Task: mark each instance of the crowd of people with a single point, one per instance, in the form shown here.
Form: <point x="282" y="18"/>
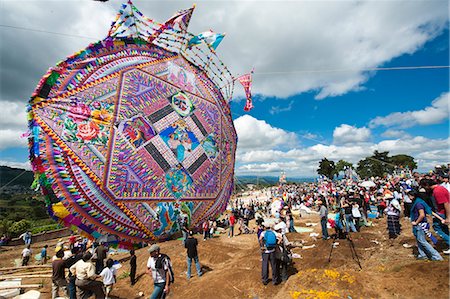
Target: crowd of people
<point x="346" y="205"/>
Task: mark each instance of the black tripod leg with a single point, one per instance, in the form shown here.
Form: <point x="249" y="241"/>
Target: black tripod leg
<point x="354" y="254"/>
<point x="331" y="251"/>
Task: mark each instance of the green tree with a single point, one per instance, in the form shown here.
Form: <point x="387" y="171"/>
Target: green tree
<point x="326" y="168"/>
<point x="379" y="164"/>
<point x="341" y="165"/>
<point x="404" y="161"/>
<point x="20" y="227"/>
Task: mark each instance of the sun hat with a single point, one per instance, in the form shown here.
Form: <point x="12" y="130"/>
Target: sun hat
<point x="154" y="247"/>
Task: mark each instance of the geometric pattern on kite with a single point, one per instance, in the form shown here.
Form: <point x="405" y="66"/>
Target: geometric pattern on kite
<point x="132" y="134"/>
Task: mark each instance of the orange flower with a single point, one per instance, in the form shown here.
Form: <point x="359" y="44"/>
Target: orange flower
<point x="88" y="131"/>
<point x="101" y="116"/>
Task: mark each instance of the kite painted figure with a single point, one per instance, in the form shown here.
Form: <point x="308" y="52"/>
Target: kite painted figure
<point x="135" y="131"/>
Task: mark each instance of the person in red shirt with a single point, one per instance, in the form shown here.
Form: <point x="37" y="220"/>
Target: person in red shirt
<point x="232" y="221"/>
<point x="442" y="206"/>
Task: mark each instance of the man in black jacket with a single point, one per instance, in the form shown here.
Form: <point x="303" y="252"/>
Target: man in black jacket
<point x="191" y="246"/>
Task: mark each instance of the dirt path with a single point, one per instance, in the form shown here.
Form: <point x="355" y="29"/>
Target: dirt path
<point x="232" y="269"/>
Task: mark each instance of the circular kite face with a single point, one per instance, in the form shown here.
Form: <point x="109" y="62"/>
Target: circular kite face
<point x="129" y="139"/>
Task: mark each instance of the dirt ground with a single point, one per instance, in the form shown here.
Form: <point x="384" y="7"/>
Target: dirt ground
<point x="232" y="268"/>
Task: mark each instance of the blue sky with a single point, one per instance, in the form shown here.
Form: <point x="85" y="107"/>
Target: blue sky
<point x="299" y="116"/>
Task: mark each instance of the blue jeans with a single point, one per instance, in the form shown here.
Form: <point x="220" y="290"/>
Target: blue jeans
<point x="231" y="231"/>
<point x="349" y="223"/>
<point x="424" y="248"/>
<point x="197" y="265"/>
<point x="323" y="223"/>
<point x="158" y="291"/>
<point x="441" y="229"/>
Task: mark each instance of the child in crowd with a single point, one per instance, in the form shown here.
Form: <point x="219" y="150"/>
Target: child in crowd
<point x="109" y="277"/>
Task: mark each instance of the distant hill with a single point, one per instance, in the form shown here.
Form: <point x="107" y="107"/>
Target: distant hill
<point x="25" y="178"/>
<point x="15" y="176"/>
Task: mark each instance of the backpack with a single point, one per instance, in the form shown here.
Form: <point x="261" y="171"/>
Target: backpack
<point x="159" y="265"/>
<point x="270" y="239"/>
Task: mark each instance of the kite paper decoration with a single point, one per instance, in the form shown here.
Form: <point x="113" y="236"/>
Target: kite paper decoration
<point x="246" y="81"/>
<point x="134" y="133"/>
<point x="210" y="38"/>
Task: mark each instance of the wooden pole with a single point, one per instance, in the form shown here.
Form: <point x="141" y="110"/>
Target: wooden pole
<point x="26" y="276"/>
<point x="23" y="286"/>
<point x="25" y="267"/>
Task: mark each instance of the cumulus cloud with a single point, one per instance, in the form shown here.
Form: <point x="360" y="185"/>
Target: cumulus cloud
<point x="349" y="134"/>
<point x="252" y="159"/>
<point x="13" y="115"/>
<point x="258" y="134"/>
<point x="434" y="114"/>
<point x="394" y="134"/>
<point x="10" y="138"/>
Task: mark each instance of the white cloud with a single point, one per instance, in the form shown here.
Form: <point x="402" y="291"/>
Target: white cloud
<point x="22" y="165"/>
<point x="353" y="145"/>
<point x="13" y="115"/>
<point x="278" y="109"/>
<point x="257" y="134"/>
<point x="349" y="134"/>
<point x="395" y="134"/>
<point x="434" y="114"/>
<point x="11" y="138"/>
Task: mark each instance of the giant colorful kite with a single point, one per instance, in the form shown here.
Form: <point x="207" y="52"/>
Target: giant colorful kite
<point x="134" y="133"/>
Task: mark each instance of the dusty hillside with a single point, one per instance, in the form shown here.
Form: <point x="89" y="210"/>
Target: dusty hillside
<point x="233" y="269"/>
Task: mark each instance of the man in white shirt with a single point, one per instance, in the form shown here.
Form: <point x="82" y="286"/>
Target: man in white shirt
<point x="158" y="266"/>
<point x="84" y="272"/>
<point x="26" y="253"/>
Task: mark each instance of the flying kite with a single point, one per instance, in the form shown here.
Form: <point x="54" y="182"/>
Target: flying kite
<point x="133" y="135"/>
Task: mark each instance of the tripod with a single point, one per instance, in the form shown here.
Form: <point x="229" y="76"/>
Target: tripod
<point x="350" y="241"/>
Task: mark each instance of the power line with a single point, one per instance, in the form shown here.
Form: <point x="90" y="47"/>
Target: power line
<point x="49" y="32"/>
<point x="396" y="68"/>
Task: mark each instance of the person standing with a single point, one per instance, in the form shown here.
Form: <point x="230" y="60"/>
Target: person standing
<point x="268" y="242"/>
<point x="442" y="206"/>
<point x="26" y="237"/>
<point x="158" y="266"/>
<point x="109" y="277"/>
<point x="101" y="252"/>
<point x="26" y="254"/>
<point x="84" y="270"/>
<point x="192" y="254"/>
<point x="44" y="256"/>
<point x="133" y="267"/>
<point x="205" y="227"/>
<point x="421" y="227"/>
<point x="58" y="275"/>
<point x="232" y="221"/>
<point x="393" y="218"/>
<point x="75" y="256"/>
<point x="323" y="213"/>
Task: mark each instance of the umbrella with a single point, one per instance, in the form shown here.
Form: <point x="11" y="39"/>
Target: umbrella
<point x="367" y="184"/>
